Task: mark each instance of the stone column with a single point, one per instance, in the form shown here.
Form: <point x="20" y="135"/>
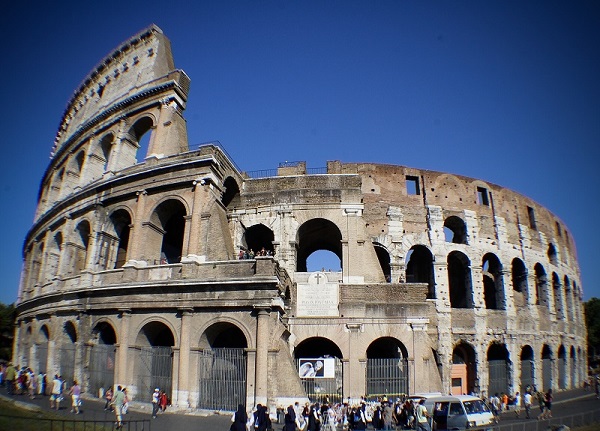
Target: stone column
<point x="122" y="373"/>
<point x="183" y="390"/>
<point x="136" y="231"/>
<point x="194" y="238"/>
<point x="262" y="350"/>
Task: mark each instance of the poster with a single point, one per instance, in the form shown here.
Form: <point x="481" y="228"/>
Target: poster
<point x="317" y="368"/>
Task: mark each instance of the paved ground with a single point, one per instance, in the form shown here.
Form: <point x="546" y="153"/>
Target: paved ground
<point x="93" y="409"/>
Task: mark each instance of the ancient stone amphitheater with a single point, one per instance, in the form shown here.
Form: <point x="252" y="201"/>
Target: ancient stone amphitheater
<point x="133" y="273"/>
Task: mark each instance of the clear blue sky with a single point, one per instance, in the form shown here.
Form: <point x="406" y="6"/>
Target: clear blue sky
<point x="504" y="91"/>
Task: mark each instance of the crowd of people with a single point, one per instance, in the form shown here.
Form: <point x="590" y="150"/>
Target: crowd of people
<point x="250" y="254"/>
<point x="503" y="402"/>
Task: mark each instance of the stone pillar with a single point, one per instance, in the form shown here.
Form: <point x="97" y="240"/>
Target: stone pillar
<point x="195" y="238"/>
<point x="136" y="233"/>
<point x="122" y="373"/>
<point x="16" y="342"/>
<point x="354" y="376"/>
<point x="183" y="389"/>
<point x="262" y="350"/>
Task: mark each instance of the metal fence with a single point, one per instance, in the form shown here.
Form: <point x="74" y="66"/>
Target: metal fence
<point x="102" y="367"/>
<point x="42" y="424"/>
<point x="387" y="376"/>
<point x="222" y="383"/>
<point x="324" y="390"/>
<point x="498" y="373"/>
<point x="154" y="370"/>
<point x="67" y="355"/>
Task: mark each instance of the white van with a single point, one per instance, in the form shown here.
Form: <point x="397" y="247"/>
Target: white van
<point x="458" y="412"/>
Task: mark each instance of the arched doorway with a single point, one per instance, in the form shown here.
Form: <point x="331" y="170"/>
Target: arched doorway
<point x="546" y="368"/>
<point x="320" y="369"/>
<point x="419" y="268"/>
<point x="562" y="367"/>
<point x="154" y="360"/>
<point x="42" y="349"/>
<point x="527" y="368"/>
<point x="464" y="370"/>
<point x="317" y="234"/>
<point x="222" y="362"/>
<point x="68" y="352"/>
<point x="102" y="358"/>
<point x="387" y="369"/>
<point x="498" y="369"/>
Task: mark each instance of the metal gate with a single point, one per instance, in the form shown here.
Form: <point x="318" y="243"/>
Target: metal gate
<point x="102" y="367"/>
<point x="67" y="362"/>
<point x="498" y="376"/>
<point x="562" y="373"/>
<point x="154" y="370"/>
<point x="42" y="357"/>
<point x="323" y="389"/>
<point x="222" y="374"/>
<point x="527" y="374"/>
<point x="387" y="376"/>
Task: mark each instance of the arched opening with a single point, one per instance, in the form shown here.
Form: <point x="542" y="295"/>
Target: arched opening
<point x="573" y="362"/>
<point x="320" y="369"/>
<point x="546" y="368"/>
<point x="317" y="234"/>
<point x="562" y="367"/>
<point x="68" y="352"/>
<point x="231" y="194"/>
<point x="323" y="260"/>
<point x="154" y="362"/>
<point x="80" y="246"/>
<point x="459" y="280"/>
<point x="464" y="370"/>
<point x="552" y="254"/>
<point x="121" y="222"/>
<point x="498" y="369"/>
<point x="493" y="286"/>
<point x="105" y="149"/>
<point x="139" y="132"/>
<point x="558" y="297"/>
<point x="541" y="288"/>
<point x="102" y="358"/>
<point x="258" y="240"/>
<point x="387" y="369"/>
<point x="519" y="282"/>
<point x="54" y="253"/>
<point x="527" y="368"/>
<point x="42" y="349"/>
<point x="166" y="230"/>
<point x="383" y="256"/>
<point x="222" y="362"/>
<point x="455" y="230"/>
<point x="569" y="312"/>
<point x="419" y="268"/>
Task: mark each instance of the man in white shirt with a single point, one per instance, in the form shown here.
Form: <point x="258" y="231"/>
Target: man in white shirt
<point x="422" y="415"/>
<point x="527" y="399"/>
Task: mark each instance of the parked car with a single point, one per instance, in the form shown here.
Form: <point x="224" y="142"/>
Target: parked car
<point x="458" y="412"/>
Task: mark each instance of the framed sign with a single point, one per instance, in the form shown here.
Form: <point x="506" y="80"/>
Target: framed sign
<point x="317" y="368"/>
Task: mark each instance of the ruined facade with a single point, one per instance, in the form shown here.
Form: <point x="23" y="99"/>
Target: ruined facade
<point x="132" y="273"/>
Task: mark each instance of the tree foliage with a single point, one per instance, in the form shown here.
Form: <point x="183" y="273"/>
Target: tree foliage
<point x="7" y="319"/>
<point x="592" y="322"/>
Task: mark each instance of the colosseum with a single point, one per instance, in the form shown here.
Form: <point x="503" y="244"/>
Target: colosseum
<point x="151" y="263"/>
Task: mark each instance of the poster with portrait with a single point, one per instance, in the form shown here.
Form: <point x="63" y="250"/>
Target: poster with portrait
<point x="317" y="368"/>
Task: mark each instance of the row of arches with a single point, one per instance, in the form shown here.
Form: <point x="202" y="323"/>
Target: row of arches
<point x="110" y="152"/>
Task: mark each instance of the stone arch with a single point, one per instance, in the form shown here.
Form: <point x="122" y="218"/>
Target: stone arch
<point x="387" y="368"/>
<point x="79" y="243"/>
<point x="231" y="193"/>
<point x="138" y="133"/>
<point x="573" y="368"/>
<point x="43" y="340"/>
<point x="67" y="348"/>
<point x="455" y="230"/>
<point x="116" y="243"/>
<point x="519" y="281"/>
<point x="464" y="369"/>
<point x="167" y="228"/>
<point x="55" y="250"/>
<point x="222" y="361"/>
<point x="541" y="285"/>
<point x="317" y="234"/>
<point x="419" y="268"/>
<point x="459" y="280"/>
<point x="558" y="296"/>
<point x="102" y="356"/>
<point x="99" y="157"/>
<point x="259" y="238"/>
<point x="493" y="285"/>
<point x="498" y="361"/>
<point x="153" y="364"/>
<point x="314" y="356"/>
<point x="547" y="359"/>
<point x="552" y="254"/>
<point x="562" y="367"/>
<point x="569" y="312"/>
<point x="383" y="256"/>
<point x="527" y="368"/>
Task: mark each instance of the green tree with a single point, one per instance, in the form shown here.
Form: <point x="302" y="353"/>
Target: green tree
<point x="7" y="319"/>
<point x="592" y="322"/>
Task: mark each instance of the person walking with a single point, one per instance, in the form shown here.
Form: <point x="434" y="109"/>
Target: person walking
<point x="517" y="404"/>
<point x="9" y="377"/>
<point x="155" y="400"/>
<point x="527" y="400"/>
<point x="56" y="396"/>
<point x="117" y="402"/>
<point x="75" y="393"/>
<point x="239" y="419"/>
